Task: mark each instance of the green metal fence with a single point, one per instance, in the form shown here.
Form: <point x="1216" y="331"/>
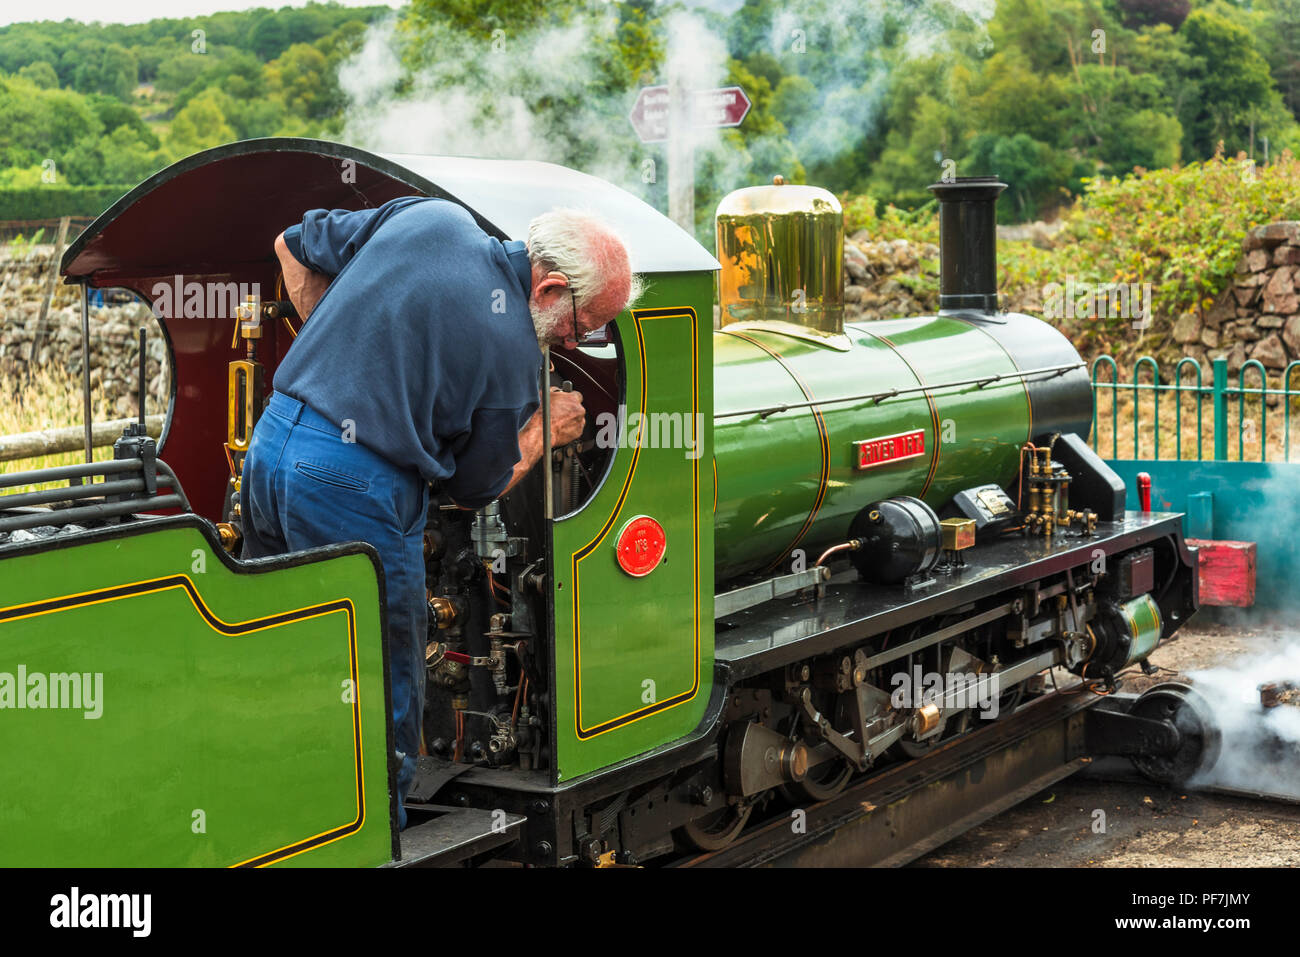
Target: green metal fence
<point x="1187" y="389"/>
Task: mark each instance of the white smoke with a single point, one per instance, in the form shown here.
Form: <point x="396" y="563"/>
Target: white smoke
<point x="466" y="97"/>
<point x="1260" y="748"/>
<point x="545" y="93"/>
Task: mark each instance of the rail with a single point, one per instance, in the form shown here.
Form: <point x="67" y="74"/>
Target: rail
<point x="129" y="486"/>
<point x="30" y="445"/>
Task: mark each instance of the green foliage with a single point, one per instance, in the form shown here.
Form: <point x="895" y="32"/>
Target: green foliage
<point x="51" y="202"/>
<point x="919" y="225"/>
<point x="300" y="77"/>
<point x="40" y="73"/>
<point x="1181" y="228"/>
<point x="1234" y="81"/>
<point x="1032" y="171"/>
<point x="876" y="98"/>
<point x="201" y="124"/>
<point x="21" y="245"/>
<point x="37" y="124"/>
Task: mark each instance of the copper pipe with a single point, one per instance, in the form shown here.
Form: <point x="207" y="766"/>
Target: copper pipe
<point x="852" y="545"/>
<point x="523" y="680"/>
<point x="519" y="695"/>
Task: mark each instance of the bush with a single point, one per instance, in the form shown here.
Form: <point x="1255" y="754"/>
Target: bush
<point x="920" y="225"/>
<point x="1180" y="229"/>
<point x="50" y="202"/>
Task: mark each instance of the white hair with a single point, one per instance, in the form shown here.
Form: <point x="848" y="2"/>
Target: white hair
<point x="585" y="248"/>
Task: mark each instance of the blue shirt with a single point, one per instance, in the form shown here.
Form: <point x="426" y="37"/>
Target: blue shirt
<point x="423" y="345"/>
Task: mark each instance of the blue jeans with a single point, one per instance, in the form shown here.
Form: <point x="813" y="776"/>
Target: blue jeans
<point x="304" y="486"/>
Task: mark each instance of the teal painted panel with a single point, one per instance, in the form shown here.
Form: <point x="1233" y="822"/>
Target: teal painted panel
<point x="1251" y="502"/>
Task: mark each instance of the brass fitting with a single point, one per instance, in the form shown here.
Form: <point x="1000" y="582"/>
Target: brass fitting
<point x="443" y="611"/>
<point x="926" y="719"/>
<point x="229" y="537"/>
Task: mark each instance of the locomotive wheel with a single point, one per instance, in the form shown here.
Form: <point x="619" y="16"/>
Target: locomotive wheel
<point x="1009" y="701"/>
<point x="1201" y="739"/>
<point x="821" y="783"/>
<point x="714" y="831"/>
<point x="919" y="749"/>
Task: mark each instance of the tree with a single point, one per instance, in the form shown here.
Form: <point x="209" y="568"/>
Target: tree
<point x="180" y="70"/>
<point x="269" y="36"/>
<point x="42" y="74"/>
<point x="1148" y="13"/>
<point x="1033" y="171"/>
<point x="301" y="78"/>
<point x="1281" y="46"/>
<point x="1234" y="80"/>
<point x="38" y="125"/>
<point x="103" y="68"/>
<point x="201" y="125"/>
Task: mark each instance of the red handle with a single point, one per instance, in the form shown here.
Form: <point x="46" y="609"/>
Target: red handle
<point x="1144" y="491"/>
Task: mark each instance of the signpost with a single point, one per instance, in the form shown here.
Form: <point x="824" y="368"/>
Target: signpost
<point x="721" y="107"/>
<point x="672" y="114"/>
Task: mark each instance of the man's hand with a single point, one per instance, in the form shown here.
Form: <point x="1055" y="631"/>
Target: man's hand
<point x="303" y="286"/>
<point x="567" y="420"/>
<point x="568" y="417"/>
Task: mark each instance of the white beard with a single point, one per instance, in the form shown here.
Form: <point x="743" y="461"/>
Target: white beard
<point x="546" y="322"/>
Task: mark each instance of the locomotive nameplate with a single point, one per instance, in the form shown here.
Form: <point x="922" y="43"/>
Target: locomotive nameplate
<point x="889" y="448"/>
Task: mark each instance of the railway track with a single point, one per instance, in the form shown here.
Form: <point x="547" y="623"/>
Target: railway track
<point x="1121" y="772"/>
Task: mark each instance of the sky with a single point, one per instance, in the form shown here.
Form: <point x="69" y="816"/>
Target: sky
<point x="138" y="11"/>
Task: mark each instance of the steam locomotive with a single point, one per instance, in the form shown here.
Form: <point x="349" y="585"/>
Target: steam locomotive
<point x="787" y="552"/>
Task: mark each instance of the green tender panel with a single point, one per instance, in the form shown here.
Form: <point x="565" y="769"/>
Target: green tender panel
<point x="789" y="481"/>
<point x="634" y="656"/>
<point x="218" y="743"/>
<point x="1142" y="616"/>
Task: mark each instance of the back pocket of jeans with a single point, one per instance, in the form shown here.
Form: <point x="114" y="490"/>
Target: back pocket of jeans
<point x="329" y="476"/>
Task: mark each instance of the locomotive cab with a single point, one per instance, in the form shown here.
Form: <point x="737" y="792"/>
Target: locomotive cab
<point x="554" y="590"/>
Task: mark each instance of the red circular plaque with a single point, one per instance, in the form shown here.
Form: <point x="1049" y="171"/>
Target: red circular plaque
<point x="641" y="546"/>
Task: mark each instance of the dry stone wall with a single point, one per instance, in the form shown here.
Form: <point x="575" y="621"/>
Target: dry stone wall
<point x="24" y="278"/>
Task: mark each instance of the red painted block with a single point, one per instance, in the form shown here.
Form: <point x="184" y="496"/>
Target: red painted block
<point x="1227" y="572"/>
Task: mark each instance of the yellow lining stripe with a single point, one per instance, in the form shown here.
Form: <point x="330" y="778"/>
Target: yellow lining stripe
<point x="822" y="437"/>
<point x="583" y="733"/>
<point x="934" y="412"/>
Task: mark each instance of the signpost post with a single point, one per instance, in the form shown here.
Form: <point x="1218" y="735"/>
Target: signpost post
<point x="672" y="114"/>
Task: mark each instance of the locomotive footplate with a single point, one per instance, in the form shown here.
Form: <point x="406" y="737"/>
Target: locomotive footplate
<point x="778" y="633"/>
<point x="448" y="836"/>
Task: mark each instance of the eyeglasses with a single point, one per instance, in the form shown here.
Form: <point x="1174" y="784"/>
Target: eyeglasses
<point x="586" y="337"/>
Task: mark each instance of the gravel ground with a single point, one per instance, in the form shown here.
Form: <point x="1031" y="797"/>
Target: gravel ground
<point x="1145" y="825"/>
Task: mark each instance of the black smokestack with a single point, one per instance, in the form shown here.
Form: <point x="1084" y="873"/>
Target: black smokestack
<point x="968" y="263"/>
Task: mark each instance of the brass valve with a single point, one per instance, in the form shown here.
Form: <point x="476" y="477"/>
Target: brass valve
<point x="443" y="611"/>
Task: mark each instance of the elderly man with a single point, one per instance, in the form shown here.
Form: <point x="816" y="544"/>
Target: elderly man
<point x="420" y="364"/>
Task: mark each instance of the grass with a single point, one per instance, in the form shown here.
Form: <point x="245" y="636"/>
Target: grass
<point x="51" y="399"/>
